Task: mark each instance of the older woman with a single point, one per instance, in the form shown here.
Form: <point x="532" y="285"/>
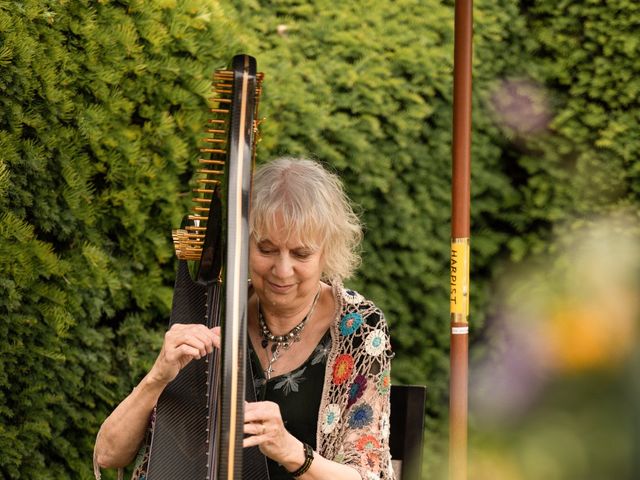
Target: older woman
<point x="320" y="352"/>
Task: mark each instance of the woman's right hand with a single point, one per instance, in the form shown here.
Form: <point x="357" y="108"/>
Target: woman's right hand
<point x="183" y="343"/>
<point x="122" y="432"/>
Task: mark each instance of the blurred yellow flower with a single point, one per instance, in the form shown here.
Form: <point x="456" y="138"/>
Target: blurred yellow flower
<point x="588" y="336"/>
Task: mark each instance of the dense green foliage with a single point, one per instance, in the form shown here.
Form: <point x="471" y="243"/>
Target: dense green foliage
<point x="102" y="104"/>
<point x="101" y="107"/>
<point x="586" y="163"/>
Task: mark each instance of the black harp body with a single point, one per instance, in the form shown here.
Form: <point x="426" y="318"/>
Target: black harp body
<point x="199" y="420"/>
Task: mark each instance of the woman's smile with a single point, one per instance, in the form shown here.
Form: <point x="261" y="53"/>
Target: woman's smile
<point x="280" y="287"/>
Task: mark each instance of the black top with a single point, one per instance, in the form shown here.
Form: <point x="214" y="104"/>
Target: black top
<point x="298" y="393"/>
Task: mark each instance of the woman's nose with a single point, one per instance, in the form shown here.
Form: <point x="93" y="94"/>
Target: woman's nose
<point x="283" y="267"/>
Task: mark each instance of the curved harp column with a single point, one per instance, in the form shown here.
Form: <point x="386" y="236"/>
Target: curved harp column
<point x="234" y="364"/>
<point x="200" y="415"/>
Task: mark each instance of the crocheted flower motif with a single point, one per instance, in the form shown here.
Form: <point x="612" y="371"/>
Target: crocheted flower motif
<point x="357" y="389"/>
<point x="350" y="323"/>
<point x="342" y="368"/>
<point x="361" y="416"/>
<point x="330" y="418"/>
<point x="371" y="460"/>
<point x="384" y="384"/>
<point x="375" y="343"/>
<point x="352" y="297"/>
<point x="367" y="442"/>
<point x="373" y="476"/>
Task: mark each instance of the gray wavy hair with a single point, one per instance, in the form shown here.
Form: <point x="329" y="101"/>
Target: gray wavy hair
<point x="312" y="203"/>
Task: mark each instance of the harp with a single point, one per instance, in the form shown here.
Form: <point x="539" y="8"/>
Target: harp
<point x="198" y="431"/>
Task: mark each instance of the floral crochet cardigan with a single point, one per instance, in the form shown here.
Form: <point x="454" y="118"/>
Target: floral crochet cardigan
<point x="353" y="420"/>
<point x="353" y="423"/>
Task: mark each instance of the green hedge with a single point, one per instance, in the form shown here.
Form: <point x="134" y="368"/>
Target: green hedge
<point x="587" y="162"/>
<point x="102" y="104"/>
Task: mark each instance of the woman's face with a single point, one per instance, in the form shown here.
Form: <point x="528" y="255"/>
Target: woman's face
<point x="284" y="271"/>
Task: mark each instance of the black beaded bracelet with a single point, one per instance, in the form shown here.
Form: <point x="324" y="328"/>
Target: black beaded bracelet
<point x="308" y="458"/>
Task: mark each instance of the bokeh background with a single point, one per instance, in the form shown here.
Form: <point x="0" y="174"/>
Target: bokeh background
<point x="103" y="104"/>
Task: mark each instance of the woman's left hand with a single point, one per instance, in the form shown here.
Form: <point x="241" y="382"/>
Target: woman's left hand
<point x="263" y="422"/>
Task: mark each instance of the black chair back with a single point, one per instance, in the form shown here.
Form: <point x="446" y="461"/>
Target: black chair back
<point x="407" y="429"/>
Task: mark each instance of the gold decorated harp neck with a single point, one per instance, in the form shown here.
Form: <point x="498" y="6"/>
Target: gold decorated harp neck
<point x="209" y="182"/>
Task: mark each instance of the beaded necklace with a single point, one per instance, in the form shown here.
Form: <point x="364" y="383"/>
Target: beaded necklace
<point x="281" y="342"/>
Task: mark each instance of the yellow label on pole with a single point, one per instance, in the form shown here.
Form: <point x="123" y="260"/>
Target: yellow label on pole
<point x="459" y="296"/>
